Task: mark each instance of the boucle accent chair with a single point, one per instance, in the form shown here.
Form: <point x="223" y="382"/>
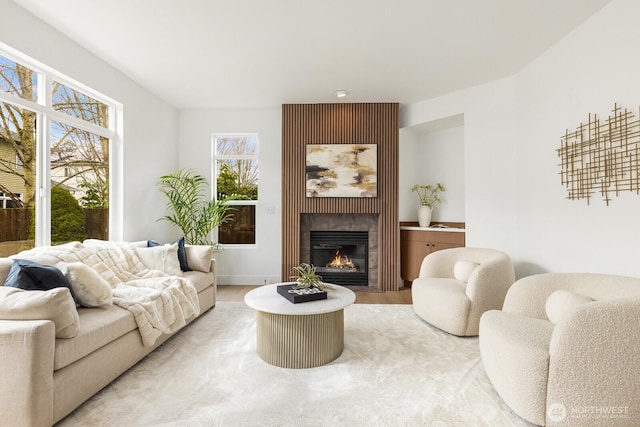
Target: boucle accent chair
<point x="564" y="349"/>
<point x="457" y="285"/>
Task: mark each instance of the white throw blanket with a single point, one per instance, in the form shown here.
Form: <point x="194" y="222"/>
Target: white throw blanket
<point x="160" y="303"/>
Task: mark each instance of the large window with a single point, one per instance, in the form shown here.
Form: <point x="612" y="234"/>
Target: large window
<point x="236" y="173"/>
<point x="56" y="142"/>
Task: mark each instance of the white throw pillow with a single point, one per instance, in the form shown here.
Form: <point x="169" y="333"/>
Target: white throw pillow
<point x="562" y="303"/>
<point x="55" y="304"/>
<point x="199" y="257"/>
<point x="90" y="288"/>
<point x="463" y="269"/>
<point x="163" y="258"/>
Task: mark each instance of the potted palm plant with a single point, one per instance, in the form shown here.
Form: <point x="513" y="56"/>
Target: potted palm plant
<point x="191" y="210"/>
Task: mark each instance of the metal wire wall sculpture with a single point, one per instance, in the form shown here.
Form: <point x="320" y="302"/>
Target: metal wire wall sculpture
<point x="601" y="156"/>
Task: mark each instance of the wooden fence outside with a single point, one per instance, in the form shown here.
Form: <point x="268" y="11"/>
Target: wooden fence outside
<point x="96" y="223"/>
<point x="15" y="224"/>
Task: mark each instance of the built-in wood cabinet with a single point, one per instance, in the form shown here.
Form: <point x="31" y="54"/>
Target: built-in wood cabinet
<point x="417" y="243"/>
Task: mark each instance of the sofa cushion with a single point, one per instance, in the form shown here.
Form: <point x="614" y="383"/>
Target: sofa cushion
<point x="182" y="253"/>
<point x="199" y="257"/>
<point x="163" y="258"/>
<point x="98" y="327"/>
<point x="33" y="276"/>
<point x="562" y="303"/>
<point x="55" y="305"/>
<point x="90" y="288"/>
<point x="462" y="270"/>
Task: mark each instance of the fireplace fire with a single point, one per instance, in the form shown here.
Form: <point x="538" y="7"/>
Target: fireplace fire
<point x="341" y="261"/>
<point x="341" y="257"/>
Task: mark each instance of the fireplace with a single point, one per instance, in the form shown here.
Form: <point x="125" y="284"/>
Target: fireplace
<point x="341" y="257"/>
<point x="367" y="224"/>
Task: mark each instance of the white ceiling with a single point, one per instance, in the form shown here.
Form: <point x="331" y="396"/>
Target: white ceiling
<point x="256" y="53"/>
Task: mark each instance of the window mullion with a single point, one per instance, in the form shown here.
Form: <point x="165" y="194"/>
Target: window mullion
<point x="237" y="157"/>
<point x="241" y="202"/>
<point x="43" y="182"/>
<point x="78" y="123"/>
<point x="19" y="102"/>
<point x="43" y="104"/>
<point x="43" y="171"/>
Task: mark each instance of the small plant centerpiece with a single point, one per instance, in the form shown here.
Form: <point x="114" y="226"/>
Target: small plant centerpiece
<point x="307" y="277"/>
<point x="308" y="285"/>
<point x="428" y="195"/>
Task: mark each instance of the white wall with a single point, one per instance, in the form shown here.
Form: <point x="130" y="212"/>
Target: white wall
<point x="243" y="266"/>
<point x="514" y="200"/>
<point x="587" y="72"/>
<point x="150" y="124"/>
<point x="407" y="177"/>
<point x="489" y="155"/>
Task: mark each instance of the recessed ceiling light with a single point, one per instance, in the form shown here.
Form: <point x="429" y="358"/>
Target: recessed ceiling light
<point x="341" y="93"/>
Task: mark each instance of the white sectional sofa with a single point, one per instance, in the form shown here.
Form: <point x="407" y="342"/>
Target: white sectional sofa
<point x="44" y="377"/>
<point x="564" y="349"/>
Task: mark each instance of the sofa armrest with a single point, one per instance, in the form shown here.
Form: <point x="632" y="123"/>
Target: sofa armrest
<point x="593" y="359"/>
<point x="26" y="361"/>
<point x="213" y="266"/>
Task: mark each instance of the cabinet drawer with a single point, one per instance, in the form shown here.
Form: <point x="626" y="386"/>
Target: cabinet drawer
<point x="453" y="238"/>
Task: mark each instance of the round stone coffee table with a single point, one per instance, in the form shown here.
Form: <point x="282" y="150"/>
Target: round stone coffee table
<point x="302" y="335"/>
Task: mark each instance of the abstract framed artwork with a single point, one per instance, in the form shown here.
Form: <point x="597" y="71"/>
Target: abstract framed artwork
<point x="342" y="170"/>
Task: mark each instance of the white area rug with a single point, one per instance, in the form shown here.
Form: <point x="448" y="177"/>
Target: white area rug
<point x="395" y="370"/>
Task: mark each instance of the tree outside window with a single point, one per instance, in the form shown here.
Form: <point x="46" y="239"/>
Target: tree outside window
<point x="78" y="158"/>
<point x="236" y="165"/>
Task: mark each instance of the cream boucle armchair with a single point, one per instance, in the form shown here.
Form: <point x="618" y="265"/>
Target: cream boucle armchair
<point x="457" y="285"/>
<point x="564" y="349"/>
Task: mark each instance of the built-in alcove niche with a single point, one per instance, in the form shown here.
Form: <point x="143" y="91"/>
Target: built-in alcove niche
<point x="433" y="152"/>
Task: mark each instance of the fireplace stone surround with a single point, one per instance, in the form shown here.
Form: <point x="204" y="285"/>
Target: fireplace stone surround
<point x="343" y="222"/>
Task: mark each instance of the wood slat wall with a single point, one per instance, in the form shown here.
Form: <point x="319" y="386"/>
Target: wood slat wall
<point x="370" y="123"/>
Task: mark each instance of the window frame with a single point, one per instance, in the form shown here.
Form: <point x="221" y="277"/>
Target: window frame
<point x="214" y="179"/>
<point x="4" y="199"/>
<point x="45" y="114"/>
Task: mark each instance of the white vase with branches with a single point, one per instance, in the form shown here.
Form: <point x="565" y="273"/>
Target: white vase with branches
<point x="428" y="195"/>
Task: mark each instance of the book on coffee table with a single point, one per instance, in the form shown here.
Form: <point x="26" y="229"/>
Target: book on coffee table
<point x="301" y="295"/>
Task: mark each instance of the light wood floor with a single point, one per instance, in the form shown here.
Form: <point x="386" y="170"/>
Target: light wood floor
<point x="403" y="296"/>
